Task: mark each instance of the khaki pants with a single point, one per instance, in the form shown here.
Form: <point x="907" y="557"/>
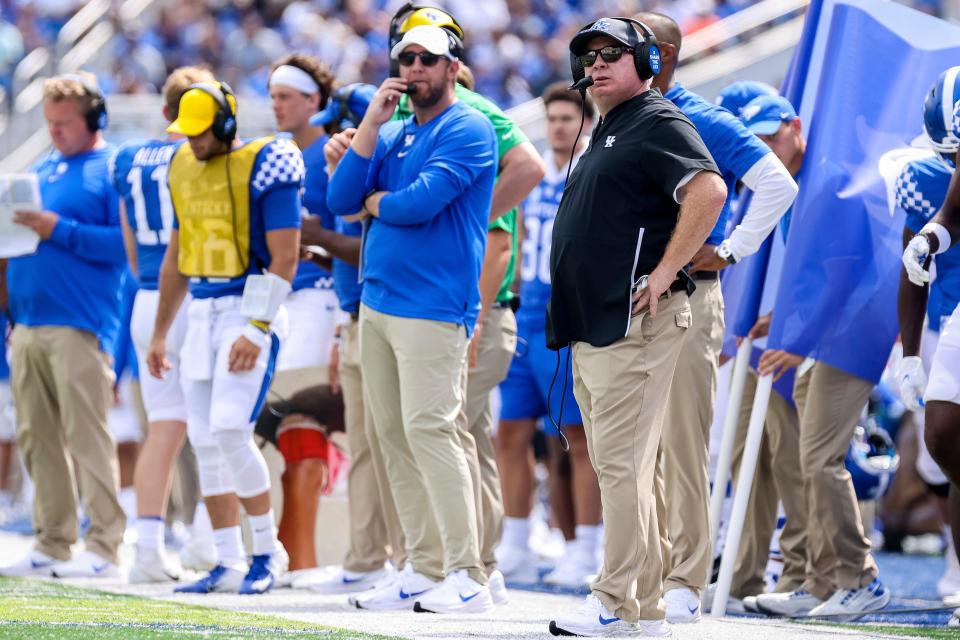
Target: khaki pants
<point x="413" y="378"/>
<point x="373" y="516"/>
<point x="498" y="341"/>
<point x="778" y="478"/>
<point x="684" y="517"/>
<point x="829" y="402"/>
<point x="622" y="392"/>
<point x="62" y="387"/>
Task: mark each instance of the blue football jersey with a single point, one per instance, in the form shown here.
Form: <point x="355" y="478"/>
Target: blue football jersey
<point x="309" y="275"/>
<point x="921" y="190"/>
<point x="539" y="213"/>
<point x="138" y="171"/>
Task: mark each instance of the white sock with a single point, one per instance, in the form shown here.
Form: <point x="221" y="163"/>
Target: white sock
<point x="201" y="527"/>
<point x="150" y="533"/>
<point x="953" y="567"/>
<point x="128" y="502"/>
<point x="263" y="533"/>
<point x="516" y="532"/>
<point x="229" y="541"/>
<point x="586" y="538"/>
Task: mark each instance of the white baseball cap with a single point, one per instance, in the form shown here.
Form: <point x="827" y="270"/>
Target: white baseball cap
<point x="432" y="38"/>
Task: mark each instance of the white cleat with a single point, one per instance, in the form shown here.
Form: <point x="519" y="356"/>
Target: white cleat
<point x="396" y="594"/>
<point x="344" y="581"/>
<point x="199" y="554"/>
<point x="855" y="602"/>
<point x="86" y="564"/>
<point x="954" y="619"/>
<point x="458" y="593"/>
<point x="790" y="603"/>
<point x="33" y="564"/>
<point x="498" y="588"/>
<point x="518" y="565"/>
<point x="750" y="604"/>
<point x="594" y="620"/>
<point x="151" y="567"/>
<point x="683" y="606"/>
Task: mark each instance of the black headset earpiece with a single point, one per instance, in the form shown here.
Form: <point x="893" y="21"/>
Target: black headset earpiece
<point x="646" y="54"/>
<point x="225" y="122"/>
<point x="646" y="51"/>
<point x="96" y="115"/>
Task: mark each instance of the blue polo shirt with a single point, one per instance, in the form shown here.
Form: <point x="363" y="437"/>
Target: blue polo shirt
<point x="309" y="274"/>
<point x="733" y="147"/>
<point x="74" y="279"/>
<point x="346" y="277"/>
<point x="422" y="256"/>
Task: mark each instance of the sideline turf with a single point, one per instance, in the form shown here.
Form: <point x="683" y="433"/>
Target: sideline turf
<point x="33" y="609"/>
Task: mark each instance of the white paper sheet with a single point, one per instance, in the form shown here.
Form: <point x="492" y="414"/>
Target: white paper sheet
<point x="18" y="192"/>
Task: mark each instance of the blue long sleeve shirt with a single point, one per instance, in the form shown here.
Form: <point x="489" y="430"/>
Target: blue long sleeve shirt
<point x="422" y="256"/>
<point x="74" y="278"/>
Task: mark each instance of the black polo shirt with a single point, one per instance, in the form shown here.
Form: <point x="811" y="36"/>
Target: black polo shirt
<point x="616" y="217"/>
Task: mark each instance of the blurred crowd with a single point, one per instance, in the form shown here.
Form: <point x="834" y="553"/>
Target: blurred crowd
<point x="517" y="47"/>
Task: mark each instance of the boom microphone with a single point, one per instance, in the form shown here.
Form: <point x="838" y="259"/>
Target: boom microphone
<point x="582" y="84"/>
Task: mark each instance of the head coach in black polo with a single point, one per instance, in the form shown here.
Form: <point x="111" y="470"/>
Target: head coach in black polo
<point x="643" y="198"/>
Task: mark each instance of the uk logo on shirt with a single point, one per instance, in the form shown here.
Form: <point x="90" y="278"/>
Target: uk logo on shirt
<point x="408" y="140"/>
<point x="609" y="142"/>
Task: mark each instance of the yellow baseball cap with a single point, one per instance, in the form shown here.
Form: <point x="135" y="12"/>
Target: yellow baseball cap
<point x="198" y="110"/>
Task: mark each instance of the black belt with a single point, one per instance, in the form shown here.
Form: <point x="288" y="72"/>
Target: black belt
<point x="705" y="275"/>
<point x="513" y="304"/>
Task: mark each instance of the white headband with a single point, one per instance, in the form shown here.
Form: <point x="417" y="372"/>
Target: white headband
<point x="291" y="76"/>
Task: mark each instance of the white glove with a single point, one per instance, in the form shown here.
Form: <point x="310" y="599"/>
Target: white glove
<point x="912" y="381"/>
<point x="914" y="256"/>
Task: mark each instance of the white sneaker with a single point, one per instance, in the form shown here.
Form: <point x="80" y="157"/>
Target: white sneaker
<point x="790" y="603"/>
<point x="397" y="594"/>
<point x="517" y="564"/>
<point x="199" y="554"/>
<point x="32" y="564"/>
<point x="574" y="571"/>
<point x="593" y="619"/>
<point x="948" y="586"/>
<point x="856" y="602"/>
<point x="344" y="581"/>
<point x="683" y="606"/>
<point x="86" y="564"/>
<point x="954" y="619"/>
<point x="498" y="588"/>
<point x="750" y="604"/>
<point x="458" y="593"/>
<point x="391" y="577"/>
<point x="151" y="566"/>
<point x="734" y="605"/>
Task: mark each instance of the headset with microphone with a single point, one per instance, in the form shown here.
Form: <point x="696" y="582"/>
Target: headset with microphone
<point x="224" y="125"/>
<point x="96" y="114"/>
<point x="646" y="50"/>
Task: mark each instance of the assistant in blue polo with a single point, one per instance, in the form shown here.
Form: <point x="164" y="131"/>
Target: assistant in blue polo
<point x="65" y="303"/>
<point x="426" y="183"/>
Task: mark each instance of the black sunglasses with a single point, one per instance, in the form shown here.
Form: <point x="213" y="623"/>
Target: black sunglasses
<point x="609" y="54"/>
<point x="428" y="59"/>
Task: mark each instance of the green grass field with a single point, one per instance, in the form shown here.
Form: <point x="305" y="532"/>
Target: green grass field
<point x="43" y="609"/>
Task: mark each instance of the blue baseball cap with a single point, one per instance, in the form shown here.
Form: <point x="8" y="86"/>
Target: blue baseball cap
<point x="734" y="97"/>
<point x="764" y="115"/>
<point x="347" y="106"/>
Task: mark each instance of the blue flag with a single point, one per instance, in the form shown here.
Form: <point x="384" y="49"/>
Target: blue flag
<point x="858" y="79"/>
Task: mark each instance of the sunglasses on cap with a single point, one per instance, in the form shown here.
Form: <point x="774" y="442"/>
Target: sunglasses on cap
<point x="428" y="59"/>
<point x="610" y="53"/>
